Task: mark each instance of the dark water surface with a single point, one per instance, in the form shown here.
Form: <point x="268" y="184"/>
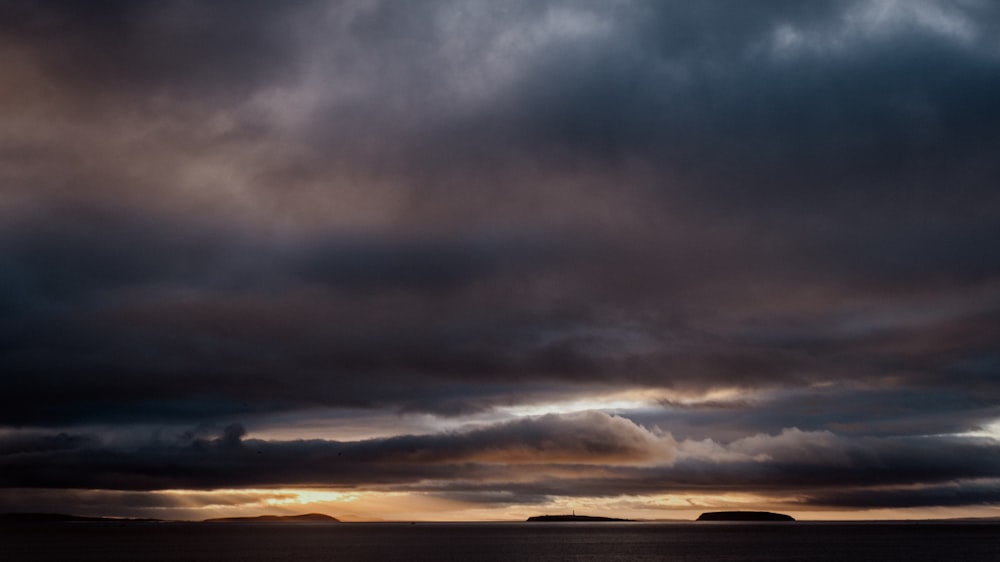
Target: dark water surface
<point x="522" y="542"/>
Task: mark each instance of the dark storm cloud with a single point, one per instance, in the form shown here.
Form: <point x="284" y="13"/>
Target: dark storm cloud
<point x="877" y="412"/>
<point x="373" y="264"/>
<point x="190" y="460"/>
<point x="583" y="455"/>
<point x="66" y="256"/>
<point x="974" y="493"/>
<point x="815" y="468"/>
<point x="121" y="48"/>
<point x="111" y="317"/>
<point x="237" y="209"/>
<point x="92" y="502"/>
<point x="20" y="444"/>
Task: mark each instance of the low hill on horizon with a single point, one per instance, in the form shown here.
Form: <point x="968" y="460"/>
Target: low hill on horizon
<point x="744" y="516"/>
<point x="304" y="518"/>
<point x="66" y="518"/>
<point x="575" y="518"/>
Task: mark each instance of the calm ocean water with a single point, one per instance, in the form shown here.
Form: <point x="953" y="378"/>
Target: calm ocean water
<point x="521" y="542"/>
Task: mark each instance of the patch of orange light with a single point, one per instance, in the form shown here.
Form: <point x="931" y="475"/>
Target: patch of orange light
<point x="313" y="496"/>
<point x="635" y="399"/>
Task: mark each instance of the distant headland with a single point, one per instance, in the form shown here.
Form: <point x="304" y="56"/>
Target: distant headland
<point x="305" y="518"/>
<point x="744" y="516"/>
<point x="573" y="517"/>
<point x="64" y="518"/>
<point x="41" y="518"/>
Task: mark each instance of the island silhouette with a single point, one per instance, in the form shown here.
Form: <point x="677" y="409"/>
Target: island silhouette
<point x="572" y="518"/>
<point x="304" y="518"/>
<point x="36" y="518"/>
<point x="744" y="516"/>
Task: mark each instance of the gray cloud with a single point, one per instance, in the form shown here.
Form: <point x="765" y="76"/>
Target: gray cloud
<point x="583" y="455"/>
<point x="190" y="460"/>
<point x="963" y="494"/>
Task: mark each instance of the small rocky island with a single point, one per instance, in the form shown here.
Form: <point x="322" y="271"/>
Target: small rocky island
<point x="570" y="518"/>
<point x="306" y="518"/>
<point x="744" y="516"/>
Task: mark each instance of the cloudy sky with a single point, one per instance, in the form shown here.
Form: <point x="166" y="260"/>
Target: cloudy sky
<point x="453" y="260"/>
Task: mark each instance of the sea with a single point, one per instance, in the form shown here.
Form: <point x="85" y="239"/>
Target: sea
<point x="514" y="542"/>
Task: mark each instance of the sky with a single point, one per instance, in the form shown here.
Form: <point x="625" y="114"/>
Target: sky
<point x="480" y="260"/>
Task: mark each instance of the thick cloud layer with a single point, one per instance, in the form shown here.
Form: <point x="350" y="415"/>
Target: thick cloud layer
<point x="193" y="462"/>
<point x="753" y="218"/>
<point x="589" y="454"/>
